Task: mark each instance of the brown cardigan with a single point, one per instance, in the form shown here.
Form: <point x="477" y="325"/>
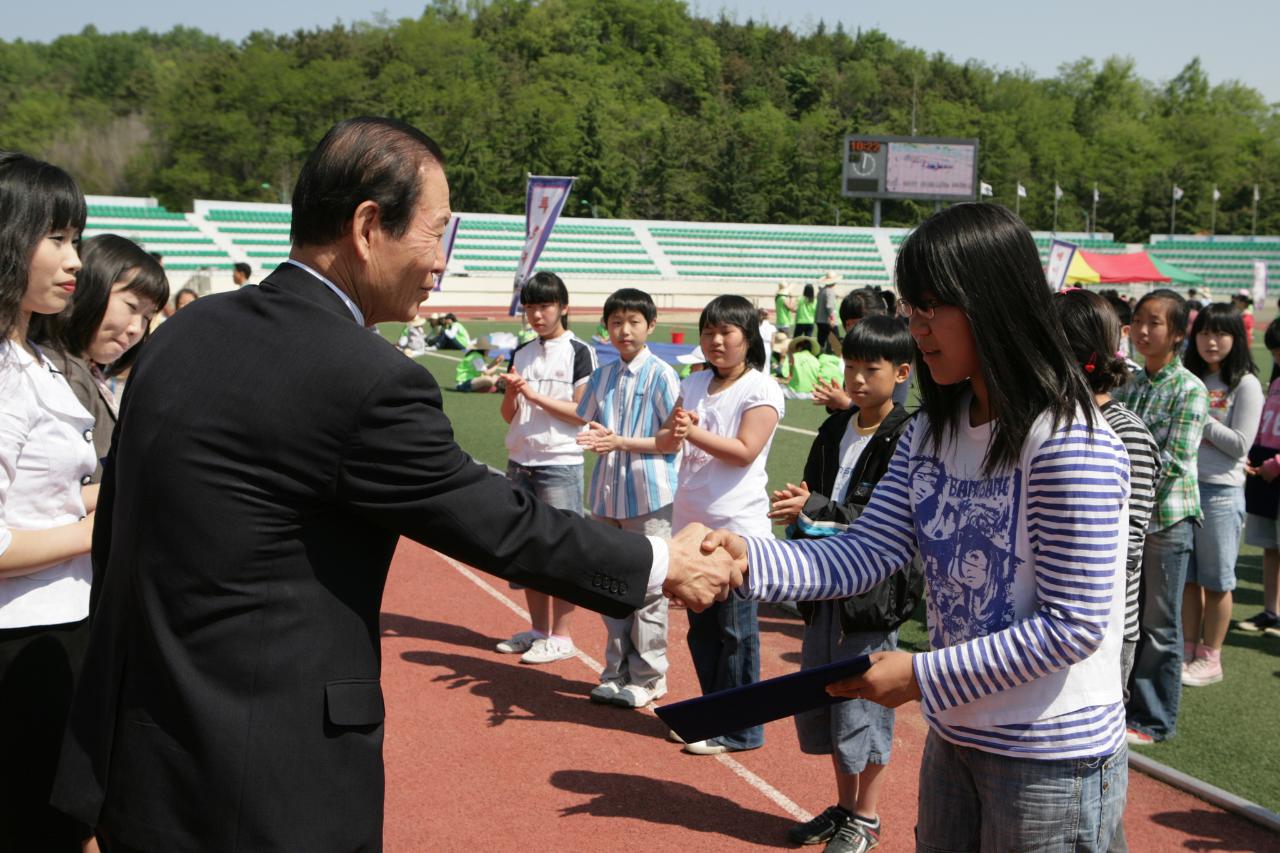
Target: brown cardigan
<point x="90" y="396"/>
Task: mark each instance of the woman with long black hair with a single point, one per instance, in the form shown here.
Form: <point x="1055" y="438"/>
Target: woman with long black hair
<point x="1021" y="691"/>
<point x="46" y="521"/>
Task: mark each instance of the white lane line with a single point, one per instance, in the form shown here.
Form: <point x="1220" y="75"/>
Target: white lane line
<point x="797" y="429"/>
<point x="771" y="793"/>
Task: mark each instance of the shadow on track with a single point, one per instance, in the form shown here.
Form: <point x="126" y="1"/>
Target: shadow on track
<point x="516" y="692"/>
<point x="1214" y="830"/>
<point x="673" y="803"/>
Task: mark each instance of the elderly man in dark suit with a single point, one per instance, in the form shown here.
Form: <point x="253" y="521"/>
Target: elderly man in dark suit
<point x="269" y="455"/>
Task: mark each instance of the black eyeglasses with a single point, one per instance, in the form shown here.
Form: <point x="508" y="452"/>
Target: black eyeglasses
<point x="906" y="308"/>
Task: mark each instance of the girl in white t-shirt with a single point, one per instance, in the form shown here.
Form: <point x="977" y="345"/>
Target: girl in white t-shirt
<point x="725" y="421"/>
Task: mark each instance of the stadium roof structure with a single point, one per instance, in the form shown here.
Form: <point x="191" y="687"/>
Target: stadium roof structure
<point x="1096" y="268"/>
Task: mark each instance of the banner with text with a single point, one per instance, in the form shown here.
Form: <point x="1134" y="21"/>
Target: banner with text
<point x="1060" y="254"/>
<point x="543" y="201"/>
<point x="450" y="231"/>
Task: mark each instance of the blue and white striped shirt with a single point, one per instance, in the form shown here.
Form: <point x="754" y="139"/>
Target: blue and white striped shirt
<point x="1024" y="575"/>
<point x="632" y="399"/>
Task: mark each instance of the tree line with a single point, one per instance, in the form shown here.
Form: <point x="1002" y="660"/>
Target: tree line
<point x="660" y="115"/>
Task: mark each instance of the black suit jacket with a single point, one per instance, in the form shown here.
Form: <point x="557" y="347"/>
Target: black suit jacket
<point x="269" y="455"/>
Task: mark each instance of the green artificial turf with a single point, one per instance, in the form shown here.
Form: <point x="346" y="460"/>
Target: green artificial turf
<point x="1227" y="732"/>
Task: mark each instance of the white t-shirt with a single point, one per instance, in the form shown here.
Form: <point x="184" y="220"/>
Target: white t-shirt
<point x="767" y="331"/>
<point x="712" y="491"/>
<point x="555" y="367"/>
<point x="851" y="445"/>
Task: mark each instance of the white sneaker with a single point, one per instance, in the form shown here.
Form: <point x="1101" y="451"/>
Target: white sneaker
<point x="639" y="696"/>
<point x="606" y="692"/>
<point x="517" y="645"/>
<point x="548" y="650"/>
<point x="1202" y="672"/>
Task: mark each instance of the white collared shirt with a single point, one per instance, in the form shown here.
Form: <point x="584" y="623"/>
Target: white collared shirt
<point x="346" y="300"/>
<point x="46" y="454"/>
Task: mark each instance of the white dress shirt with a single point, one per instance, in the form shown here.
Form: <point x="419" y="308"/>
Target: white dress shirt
<point x="46" y="454"/>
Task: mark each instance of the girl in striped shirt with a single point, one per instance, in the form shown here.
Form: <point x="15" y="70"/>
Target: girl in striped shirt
<point x="1092" y="326"/>
<point x="1013" y="491"/>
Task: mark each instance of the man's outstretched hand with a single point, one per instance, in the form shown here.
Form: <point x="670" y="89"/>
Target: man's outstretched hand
<point x="699" y="575"/>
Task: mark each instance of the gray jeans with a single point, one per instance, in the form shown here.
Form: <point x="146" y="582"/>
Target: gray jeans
<point x="636" y="651"/>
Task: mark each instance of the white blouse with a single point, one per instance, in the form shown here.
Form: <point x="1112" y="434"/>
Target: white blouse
<point x="46" y="453"/>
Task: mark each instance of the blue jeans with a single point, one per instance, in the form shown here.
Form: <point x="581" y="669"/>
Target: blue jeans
<point x="975" y="800"/>
<point x="1217" y="539"/>
<point x="724" y="642"/>
<point x="1156" y="687"/>
<point x="559" y="486"/>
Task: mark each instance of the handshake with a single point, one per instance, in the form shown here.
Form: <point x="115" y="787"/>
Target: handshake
<point x="704" y="566"/>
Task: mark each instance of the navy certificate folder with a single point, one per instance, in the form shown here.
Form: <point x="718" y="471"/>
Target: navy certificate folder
<point x="754" y="704"/>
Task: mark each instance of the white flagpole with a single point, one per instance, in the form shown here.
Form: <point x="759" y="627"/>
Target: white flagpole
<point x="1254" y="231"/>
<point x="1213" y="213"/>
<point x="1173" y="207"/>
<point x="1093" y="218"/>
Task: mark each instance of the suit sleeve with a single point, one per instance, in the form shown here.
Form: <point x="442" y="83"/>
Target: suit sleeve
<point x="404" y="471"/>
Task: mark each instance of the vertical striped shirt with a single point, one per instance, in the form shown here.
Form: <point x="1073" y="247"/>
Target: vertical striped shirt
<point x="1173" y="404"/>
<point x="1144" y="475"/>
<point x="1023" y="577"/>
<point x="632" y="399"/>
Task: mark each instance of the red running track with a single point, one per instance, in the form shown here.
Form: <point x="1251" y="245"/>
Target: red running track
<point x="484" y="753"/>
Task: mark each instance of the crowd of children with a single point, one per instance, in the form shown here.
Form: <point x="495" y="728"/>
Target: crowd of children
<point x="1070" y="518"/>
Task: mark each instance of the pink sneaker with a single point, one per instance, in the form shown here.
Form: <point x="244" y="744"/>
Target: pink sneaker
<point x="1201" y="672"/>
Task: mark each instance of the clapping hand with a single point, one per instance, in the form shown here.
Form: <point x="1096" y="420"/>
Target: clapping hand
<point x="514" y="383"/>
<point x="684" y="421"/>
<point x="831" y="394"/>
<point x="599" y="439"/>
<point x="699" y="575"/>
<point x="788" y="502"/>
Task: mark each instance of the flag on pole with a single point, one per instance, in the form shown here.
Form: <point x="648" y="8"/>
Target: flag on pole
<point x="1060" y="255"/>
<point x="544" y="199"/>
<point x="1177" y="193"/>
<point x="984" y="188"/>
<point x="1057" y="192"/>
<point x="1216" y="195"/>
<point x="1256" y="195"/>
<point x="1022" y="191"/>
<point x="450" y="231"/>
<point x="1095" y="194"/>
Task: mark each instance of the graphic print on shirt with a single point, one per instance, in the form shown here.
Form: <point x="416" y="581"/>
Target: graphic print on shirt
<point x="1219" y="405"/>
<point x="968" y="546"/>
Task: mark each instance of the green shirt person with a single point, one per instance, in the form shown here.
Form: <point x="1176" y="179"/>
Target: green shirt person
<point x="805" y="367"/>
<point x="806" y="308"/>
<point x="783" y="305"/>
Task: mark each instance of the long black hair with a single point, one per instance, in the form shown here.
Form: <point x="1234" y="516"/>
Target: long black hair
<point x="737" y="311"/>
<point x="1092" y="328"/>
<point x="983" y="260"/>
<point x="1221" y="318"/>
<point x="105" y="260"/>
<point x="35" y="199"/>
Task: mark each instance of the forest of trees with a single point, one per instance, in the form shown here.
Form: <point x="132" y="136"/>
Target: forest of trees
<point x="660" y="114"/>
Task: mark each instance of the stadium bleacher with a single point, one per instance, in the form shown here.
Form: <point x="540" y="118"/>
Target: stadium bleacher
<point x="218" y="234"/>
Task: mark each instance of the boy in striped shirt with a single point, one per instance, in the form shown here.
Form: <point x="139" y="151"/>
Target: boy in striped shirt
<point x="633" y="485"/>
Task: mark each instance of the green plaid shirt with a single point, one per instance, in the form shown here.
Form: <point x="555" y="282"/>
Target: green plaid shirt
<point x="1173" y="404"/>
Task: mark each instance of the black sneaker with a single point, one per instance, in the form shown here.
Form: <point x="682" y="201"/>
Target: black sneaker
<point x="821" y="828"/>
<point x="854" y="837"/>
<point x="1264" y="621"/>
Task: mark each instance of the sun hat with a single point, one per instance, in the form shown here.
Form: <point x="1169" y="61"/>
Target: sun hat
<point x="830" y="278"/>
<point x="695" y="357"/>
<point x="806" y="342"/>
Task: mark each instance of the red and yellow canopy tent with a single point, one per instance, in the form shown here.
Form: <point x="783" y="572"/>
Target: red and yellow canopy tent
<point x="1096" y="268"/>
